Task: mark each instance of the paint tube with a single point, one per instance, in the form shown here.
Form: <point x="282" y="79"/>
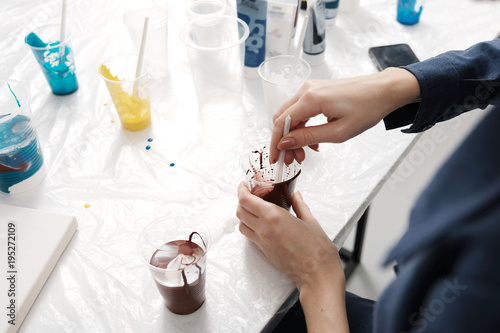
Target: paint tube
<point x="254" y="13"/>
<point x="281" y="17"/>
<point x="314" y="40"/>
<point x="331" y="9"/>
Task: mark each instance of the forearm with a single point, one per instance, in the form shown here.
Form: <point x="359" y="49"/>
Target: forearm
<point x="451" y="83"/>
<point x="324" y="307"/>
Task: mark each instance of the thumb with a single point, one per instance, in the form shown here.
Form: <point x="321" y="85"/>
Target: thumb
<point x="301" y="209"/>
<point x="312" y="135"/>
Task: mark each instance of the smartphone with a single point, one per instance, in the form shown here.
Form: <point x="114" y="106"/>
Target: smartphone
<point x="392" y="56"/>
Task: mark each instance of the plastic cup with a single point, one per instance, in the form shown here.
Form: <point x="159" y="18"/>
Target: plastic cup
<point x="215" y="48"/>
<point x="202" y="8"/>
<point x="277" y="81"/>
<point x="156" y="52"/>
<point x="21" y="159"/>
<point x="175" y="252"/>
<point x="130" y="95"/>
<point x="59" y="72"/>
<point x="409" y="11"/>
<point x="260" y="176"/>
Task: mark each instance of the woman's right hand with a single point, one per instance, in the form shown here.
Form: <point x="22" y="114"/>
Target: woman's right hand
<point x="351" y="106"/>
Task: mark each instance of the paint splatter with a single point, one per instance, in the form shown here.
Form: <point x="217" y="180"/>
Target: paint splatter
<point x="150" y="140"/>
<point x="112" y="121"/>
<point x="18" y="104"/>
<point x="148" y="147"/>
<point x="172" y="164"/>
<point x="105" y="104"/>
<point x="87" y="205"/>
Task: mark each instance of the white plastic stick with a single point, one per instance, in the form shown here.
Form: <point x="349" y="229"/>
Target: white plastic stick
<point x="140" y="61"/>
<point x="298" y="49"/>
<point x="62" y="36"/>
<point x="281" y="159"/>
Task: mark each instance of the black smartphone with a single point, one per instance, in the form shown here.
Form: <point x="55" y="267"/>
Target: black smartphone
<point x="392" y="56"/>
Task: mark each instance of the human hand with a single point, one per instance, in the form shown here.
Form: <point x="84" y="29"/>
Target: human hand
<point x="351" y="106"/>
<point x="297" y="246"/>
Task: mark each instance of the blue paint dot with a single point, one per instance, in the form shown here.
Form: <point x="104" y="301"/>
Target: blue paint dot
<point x="150" y="140"/>
<point x="172" y="164"/>
<point x="148" y="147"/>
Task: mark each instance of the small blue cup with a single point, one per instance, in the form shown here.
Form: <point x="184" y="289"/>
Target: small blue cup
<point x="409" y="11"/>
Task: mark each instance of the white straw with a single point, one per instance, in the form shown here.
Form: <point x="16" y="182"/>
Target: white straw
<point x="298" y="49"/>
<point x="281" y="159"/>
<point x="63" y="31"/>
<point x="142" y="48"/>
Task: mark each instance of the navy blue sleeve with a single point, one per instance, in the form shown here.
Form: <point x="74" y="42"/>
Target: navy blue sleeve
<point x="451" y="83"/>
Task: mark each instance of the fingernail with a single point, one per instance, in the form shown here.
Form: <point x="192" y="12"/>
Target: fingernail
<point x="286" y="143"/>
<point x="316" y="149"/>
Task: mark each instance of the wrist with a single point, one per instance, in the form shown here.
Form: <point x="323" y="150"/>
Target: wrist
<point x="324" y="304"/>
<point x="398" y="87"/>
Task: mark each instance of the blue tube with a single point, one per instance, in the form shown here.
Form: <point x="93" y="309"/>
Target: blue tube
<point x="254" y="14"/>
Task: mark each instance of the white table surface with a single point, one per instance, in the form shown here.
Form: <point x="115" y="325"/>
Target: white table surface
<point x="99" y="285"/>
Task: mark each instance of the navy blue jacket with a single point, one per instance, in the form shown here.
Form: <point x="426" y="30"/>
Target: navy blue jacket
<point x="449" y="259"/>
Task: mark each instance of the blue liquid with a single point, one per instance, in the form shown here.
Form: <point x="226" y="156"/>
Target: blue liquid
<point x="20" y="153"/>
<point x="60" y="73"/>
<point x="407" y="13"/>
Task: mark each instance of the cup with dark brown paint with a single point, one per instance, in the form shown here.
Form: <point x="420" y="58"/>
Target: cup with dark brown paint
<point x="175" y="251"/>
<point x="260" y="176"/>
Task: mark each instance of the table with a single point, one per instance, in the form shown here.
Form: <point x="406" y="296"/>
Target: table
<point x="99" y="284"/>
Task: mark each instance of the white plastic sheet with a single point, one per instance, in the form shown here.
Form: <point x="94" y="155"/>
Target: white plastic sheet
<point x="99" y="285"/>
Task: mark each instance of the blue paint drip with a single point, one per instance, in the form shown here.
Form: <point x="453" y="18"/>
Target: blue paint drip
<point x="148" y="147"/>
<point x="172" y="164"/>
<point x="18" y="104"/>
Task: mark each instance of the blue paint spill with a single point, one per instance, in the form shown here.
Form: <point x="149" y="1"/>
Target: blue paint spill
<point x="18" y="104"/>
<point x="172" y="164"/>
<point x="148" y="147"/>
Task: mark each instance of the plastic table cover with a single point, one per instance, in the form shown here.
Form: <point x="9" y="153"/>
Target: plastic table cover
<point x="99" y="284"/>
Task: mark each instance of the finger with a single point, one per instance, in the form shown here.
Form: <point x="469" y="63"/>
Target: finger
<point x="300" y="113"/>
<point x="334" y="132"/>
<point x="247" y="232"/>
<point x="299" y="155"/>
<point x="251" y="203"/>
<point x="301" y="209"/>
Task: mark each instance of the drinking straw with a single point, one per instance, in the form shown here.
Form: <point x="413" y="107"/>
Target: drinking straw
<point x="142" y="48"/>
<point x="281" y="159"/>
<point x="63" y="31"/>
<point x="298" y="49"/>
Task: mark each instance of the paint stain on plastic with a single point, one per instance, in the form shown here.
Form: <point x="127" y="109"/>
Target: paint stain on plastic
<point x="150" y="140"/>
<point x="148" y="147"/>
<point x="87" y="205"/>
<point x="172" y="164"/>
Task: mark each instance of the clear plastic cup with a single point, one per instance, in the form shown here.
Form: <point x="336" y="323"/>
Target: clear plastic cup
<point x="175" y="252"/>
<point x="215" y="48"/>
<point x="277" y="81"/>
<point x="130" y="95"/>
<point x="47" y="49"/>
<point x="21" y="159"/>
<point x="156" y="52"/>
<point x="202" y="8"/>
<point x="261" y="177"/>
